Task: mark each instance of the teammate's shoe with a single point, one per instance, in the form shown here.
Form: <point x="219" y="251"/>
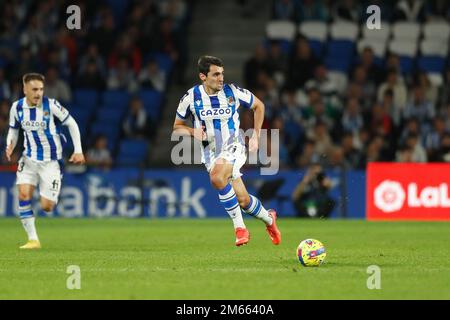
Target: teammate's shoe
<point x="272" y="230"/>
<point x="32" y="244"/>
<point x="242" y="236"/>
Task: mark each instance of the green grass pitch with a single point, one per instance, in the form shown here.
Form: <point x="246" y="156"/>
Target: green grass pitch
<point x="197" y="259"/>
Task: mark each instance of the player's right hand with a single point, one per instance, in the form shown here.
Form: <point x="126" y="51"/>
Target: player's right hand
<point x="200" y="134"/>
<point x="9" y="151"/>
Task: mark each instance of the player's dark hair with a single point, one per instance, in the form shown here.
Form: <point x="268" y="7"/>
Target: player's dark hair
<point x="33" y="76"/>
<point x="205" y="62"/>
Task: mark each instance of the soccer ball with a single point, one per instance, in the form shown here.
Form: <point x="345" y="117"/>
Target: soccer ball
<point x="311" y="253"/>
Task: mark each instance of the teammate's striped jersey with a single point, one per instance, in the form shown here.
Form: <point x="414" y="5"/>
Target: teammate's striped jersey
<point x="42" y="141"/>
<point x="217" y="113"/>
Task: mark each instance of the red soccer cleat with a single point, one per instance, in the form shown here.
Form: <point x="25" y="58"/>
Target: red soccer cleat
<point x="272" y="230"/>
<point x="242" y="236"/>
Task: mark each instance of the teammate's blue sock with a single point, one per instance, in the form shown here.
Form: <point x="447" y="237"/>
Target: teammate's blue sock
<point x="257" y="210"/>
<point x="230" y="202"/>
<point x="25" y="210"/>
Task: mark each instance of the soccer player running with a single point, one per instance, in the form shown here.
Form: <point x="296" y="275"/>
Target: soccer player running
<point x="213" y="108"/>
<point x="40" y="164"/>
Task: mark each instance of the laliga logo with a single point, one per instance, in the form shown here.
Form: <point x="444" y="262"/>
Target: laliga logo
<point x="390" y="196"/>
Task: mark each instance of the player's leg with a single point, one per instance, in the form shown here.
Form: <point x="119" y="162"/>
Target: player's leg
<point x="220" y="175"/>
<point x="253" y="206"/>
<point x="27" y="179"/>
<point x="49" y="185"/>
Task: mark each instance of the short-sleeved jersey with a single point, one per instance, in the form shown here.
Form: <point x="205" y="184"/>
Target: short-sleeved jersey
<point x="217" y="113"/>
<point x="41" y="126"/>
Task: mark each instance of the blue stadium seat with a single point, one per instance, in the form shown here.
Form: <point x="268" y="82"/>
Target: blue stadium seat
<point x="152" y="100"/>
<point x="109" y="115"/>
<point x="340" y="64"/>
<point x="132" y="152"/>
<point x="431" y="64"/>
<point x="115" y="98"/>
<point x="317" y="48"/>
<point x="406" y="64"/>
<point x="164" y="61"/>
<point x="111" y="131"/>
<point x="341" y="49"/>
<point x="86" y="98"/>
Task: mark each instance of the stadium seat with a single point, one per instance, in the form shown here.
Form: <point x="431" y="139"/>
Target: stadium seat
<point x="337" y="64"/>
<point x="340" y="79"/>
<point x="431" y="64"/>
<point x="404" y="48"/>
<point x="344" y="31"/>
<point x="434" y="47"/>
<point x="317" y="47"/>
<point x="281" y="30"/>
<point x="436" y="30"/>
<point x="406" y="31"/>
<point x="378" y="46"/>
<point x="379" y="35"/>
<point x="111" y="116"/>
<point x="132" y="152"/>
<point x="152" y="100"/>
<point x="341" y="48"/>
<point x="86" y="98"/>
<point x="163" y="60"/>
<point x="115" y="98"/>
<point x="112" y="132"/>
<point x="314" y="30"/>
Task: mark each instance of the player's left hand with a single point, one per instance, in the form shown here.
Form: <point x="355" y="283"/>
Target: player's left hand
<point x="77" y="158"/>
<point x="253" y="144"/>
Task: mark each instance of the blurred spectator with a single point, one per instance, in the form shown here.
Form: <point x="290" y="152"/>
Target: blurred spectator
<point x="125" y="49"/>
<point x="291" y="110"/>
<point x="445" y="95"/>
<point x="91" y="77"/>
<point x="152" y="77"/>
<point x="437" y="10"/>
<point x="99" y="155"/>
<point x="352" y="121"/>
<point x="434" y="137"/>
<point x="374" y="73"/>
<point x="398" y="88"/>
<point x="105" y="34"/>
<point x="368" y="87"/>
<point x="352" y="156"/>
<point x="419" y="107"/>
<point x="302" y="64"/>
<point x="311" y="196"/>
<point x="380" y="122"/>
<point x="277" y="62"/>
<point x="136" y="123"/>
<point x="308" y="154"/>
<point x="322" y="82"/>
<point x="254" y="66"/>
<point x="418" y="151"/>
<point x="5" y="90"/>
<point x="313" y="10"/>
<point x="321" y="136"/>
<point x="284" y="9"/>
<point x="443" y="153"/>
<point x="122" y="77"/>
<point x="92" y="55"/>
<point x="410" y="10"/>
<point x="348" y="10"/>
<point x="431" y="91"/>
<point x="57" y="88"/>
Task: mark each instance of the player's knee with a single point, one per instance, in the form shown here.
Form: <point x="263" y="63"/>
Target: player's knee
<point x="24" y="196"/>
<point x="218" y="181"/>
<point x="47" y="206"/>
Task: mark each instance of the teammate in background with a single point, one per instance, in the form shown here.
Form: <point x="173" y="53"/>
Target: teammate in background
<point x="213" y="107"/>
<point x="40" y="118"/>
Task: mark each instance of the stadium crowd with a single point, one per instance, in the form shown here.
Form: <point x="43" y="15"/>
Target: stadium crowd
<point x="382" y="113"/>
<point x="124" y="48"/>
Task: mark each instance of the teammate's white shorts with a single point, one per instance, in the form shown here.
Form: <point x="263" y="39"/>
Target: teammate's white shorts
<point x="45" y="174"/>
<point x="234" y="153"/>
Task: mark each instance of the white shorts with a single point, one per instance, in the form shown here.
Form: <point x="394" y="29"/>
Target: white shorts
<point x="45" y="174"/>
<point x="234" y="153"/>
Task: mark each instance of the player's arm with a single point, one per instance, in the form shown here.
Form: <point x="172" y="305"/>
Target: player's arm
<point x="259" y="110"/>
<point x="13" y="133"/>
<point x="181" y="129"/>
<point x="77" y="156"/>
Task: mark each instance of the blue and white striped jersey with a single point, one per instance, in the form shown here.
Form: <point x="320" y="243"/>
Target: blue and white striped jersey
<point x="217" y="113"/>
<point x="41" y="131"/>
